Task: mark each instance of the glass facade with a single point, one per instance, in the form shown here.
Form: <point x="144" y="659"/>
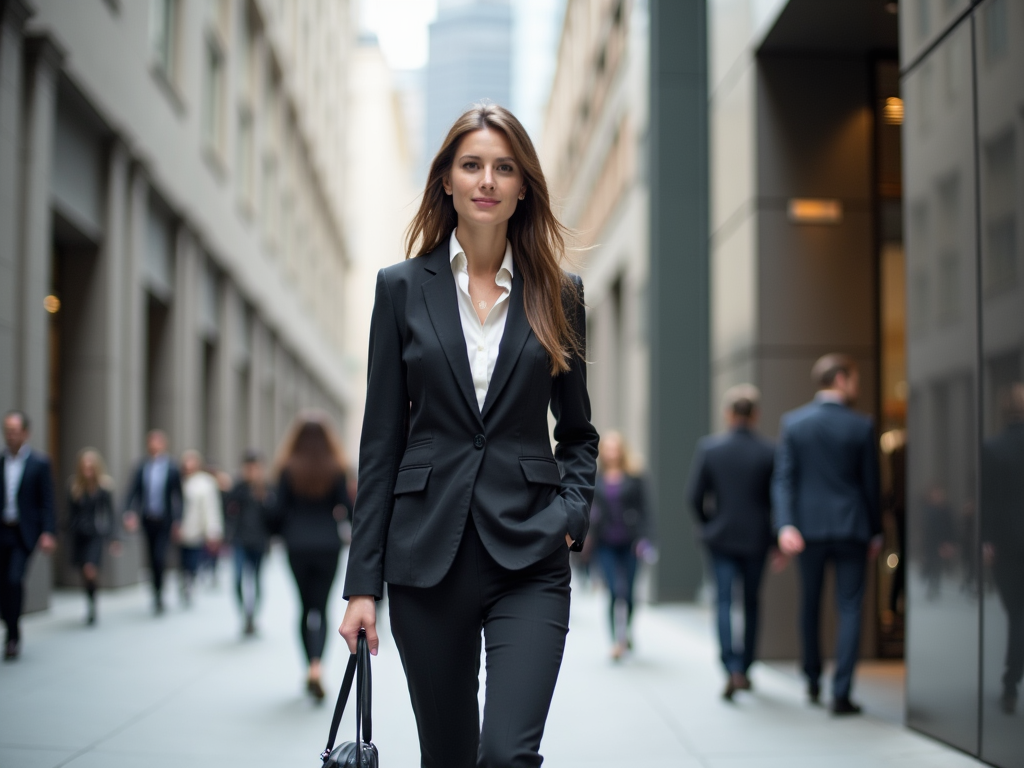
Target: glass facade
<point x="964" y="196"/>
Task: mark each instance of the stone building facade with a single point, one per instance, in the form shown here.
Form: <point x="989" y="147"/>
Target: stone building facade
<point x="172" y="247"/>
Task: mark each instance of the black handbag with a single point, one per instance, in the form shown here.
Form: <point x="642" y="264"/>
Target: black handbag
<point x="360" y="753"/>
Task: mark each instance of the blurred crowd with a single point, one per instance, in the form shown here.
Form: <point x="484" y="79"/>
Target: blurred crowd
<point x="190" y="508"/>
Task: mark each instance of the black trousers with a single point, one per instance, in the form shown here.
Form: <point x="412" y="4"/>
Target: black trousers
<point x="158" y="540"/>
<point x="314" y="572"/>
<point x="524" y="616"/>
<point x="850" y="560"/>
<point x="13" y="564"/>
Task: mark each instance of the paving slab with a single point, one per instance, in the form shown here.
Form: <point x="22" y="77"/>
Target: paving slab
<point x="185" y="689"/>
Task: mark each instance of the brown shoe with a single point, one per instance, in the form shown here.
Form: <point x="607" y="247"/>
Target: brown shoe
<point x="736" y="681"/>
<point x="743" y="682"/>
<point x="315" y="689"/>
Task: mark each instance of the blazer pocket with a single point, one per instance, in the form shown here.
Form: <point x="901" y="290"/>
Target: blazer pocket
<point x="538" y="470"/>
<point x="411" y="479"/>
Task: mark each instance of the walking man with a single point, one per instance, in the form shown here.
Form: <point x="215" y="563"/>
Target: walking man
<point x="730" y="492"/>
<point x="26" y="492"/>
<point x="826" y="504"/>
<point x="155" y="497"/>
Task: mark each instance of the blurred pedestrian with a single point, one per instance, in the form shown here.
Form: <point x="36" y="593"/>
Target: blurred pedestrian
<point x="312" y="500"/>
<point x="620" y="522"/>
<point x="26" y="492"/>
<point x="730" y="492"/>
<point x="463" y="508"/>
<point x="202" y="519"/>
<point x="1002" y="507"/>
<point x="826" y="503"/>
<point x="248" y="509"/>
<point x="92" y="521"/>
<point x="154" y="502"/>
<point x="211" y="554"/>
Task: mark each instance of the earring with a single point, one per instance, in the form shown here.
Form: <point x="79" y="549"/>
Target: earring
<point x="522" y="196"/>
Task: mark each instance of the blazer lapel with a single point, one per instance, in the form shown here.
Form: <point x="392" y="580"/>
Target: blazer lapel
<point x="517" y="331"/>
<point x="439" y="294"/>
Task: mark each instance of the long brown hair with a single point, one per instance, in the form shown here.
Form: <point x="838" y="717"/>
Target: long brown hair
<point x="536" y="235"/>
<point x="311" y="459"/>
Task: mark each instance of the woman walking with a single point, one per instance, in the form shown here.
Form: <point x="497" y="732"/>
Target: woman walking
<point x="312" y="500"/>
<point x="462" y="507"/>
<point x="92" y="521"/>
<point x="202" y="519"/>
<point x="620" y="526"/>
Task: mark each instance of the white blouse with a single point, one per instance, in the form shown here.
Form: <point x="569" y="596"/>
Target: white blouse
<point x="482" y="339"/>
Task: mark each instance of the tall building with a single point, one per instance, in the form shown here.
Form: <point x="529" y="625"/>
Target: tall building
<point x="382" y="200"/>
<point x="172" y="247"/>
<point x="470" y="60"/>
<point x="840" y="176"/>
<point x="866" y="196"/>
<point x="646" y="335"/>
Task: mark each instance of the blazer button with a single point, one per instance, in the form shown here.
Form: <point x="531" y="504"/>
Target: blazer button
<point x="478" y="441"/>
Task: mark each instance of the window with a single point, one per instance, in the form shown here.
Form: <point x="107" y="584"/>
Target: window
<point x="269" y="203"/>
<point x="163" y="21"/>
<point x="213" y="96"/>
<point x="997" y="33"/>
<point x="244" y="160"/>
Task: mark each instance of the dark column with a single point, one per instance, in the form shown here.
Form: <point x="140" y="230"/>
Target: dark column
<point x="678" y="157"/>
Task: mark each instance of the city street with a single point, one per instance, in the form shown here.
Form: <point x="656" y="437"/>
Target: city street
<point x="186" y="690"/>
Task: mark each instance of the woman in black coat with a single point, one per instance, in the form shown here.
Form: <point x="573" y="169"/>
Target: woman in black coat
<point x="312" y="500"/>
<point x="464" y="509"/>
<point x="621" y="526"/>
<point x="91" y="521"/>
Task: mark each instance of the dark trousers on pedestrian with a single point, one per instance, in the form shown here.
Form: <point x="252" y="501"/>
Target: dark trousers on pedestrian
<point x="13" y="564"/>
<point x="850" y="560"/>
<point x="524" y="615"/>
<point x="314" y="572"/>
<point x="747" y="570"/>
<point x="247" y="571"/>
<point x="1010" y="584"/>
<point x="618" y="564"/>
<point x="158" y="539"/>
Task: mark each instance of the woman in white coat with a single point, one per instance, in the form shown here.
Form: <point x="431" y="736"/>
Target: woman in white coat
<point x="202" y="518"/>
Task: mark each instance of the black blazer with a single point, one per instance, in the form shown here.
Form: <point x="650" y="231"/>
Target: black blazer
<point x="632" y="499"/>
<point x="136" y="498"/>
<point x="35" y="498"/>
<point x="730" y="492"/>
<point x="826" y="474"/>
<point x="428" y="456"/>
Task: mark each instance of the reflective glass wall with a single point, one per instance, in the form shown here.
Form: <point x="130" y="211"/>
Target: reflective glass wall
<point x="964" y="203"/>
<point x="999" y="57"/>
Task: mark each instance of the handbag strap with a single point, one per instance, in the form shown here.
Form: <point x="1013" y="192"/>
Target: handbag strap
<point x="363" y="690"/>
<point x="339" y="708"/>
<point x="358" y="669"/>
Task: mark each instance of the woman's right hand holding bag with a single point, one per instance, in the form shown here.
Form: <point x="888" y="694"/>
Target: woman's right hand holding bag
<point x="360" y="614"/>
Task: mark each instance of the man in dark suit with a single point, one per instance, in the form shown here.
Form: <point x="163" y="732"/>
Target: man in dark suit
<point x="26" y="492"/>
<point x="730" y="492"/>
<point x="826" y="504"/>
<point x="155" y="497"/>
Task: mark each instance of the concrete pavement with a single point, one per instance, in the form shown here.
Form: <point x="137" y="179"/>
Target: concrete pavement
<point x="185" y="690"/>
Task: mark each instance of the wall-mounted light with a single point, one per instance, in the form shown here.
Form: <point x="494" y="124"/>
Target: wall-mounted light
<point x="51" y="304"/>
<point x="812" y="210"/>
<point x="892" y="112"/>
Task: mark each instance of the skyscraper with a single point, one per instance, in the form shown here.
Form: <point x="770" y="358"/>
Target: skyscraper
<point x="470" y="60"/>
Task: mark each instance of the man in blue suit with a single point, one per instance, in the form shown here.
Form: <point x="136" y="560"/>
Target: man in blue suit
<point x="27" y="518"/>
<point x="825" y="499"/>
